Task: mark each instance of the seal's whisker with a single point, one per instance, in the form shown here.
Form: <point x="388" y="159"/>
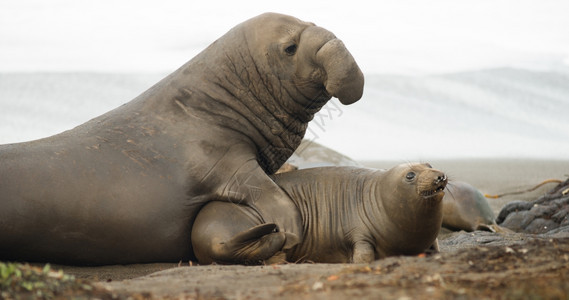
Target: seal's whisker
<point x="450" y="192"/>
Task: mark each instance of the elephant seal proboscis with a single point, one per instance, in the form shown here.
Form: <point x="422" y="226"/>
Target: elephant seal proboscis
<point x="348" y="214"/>
<point x="125" y="187"/>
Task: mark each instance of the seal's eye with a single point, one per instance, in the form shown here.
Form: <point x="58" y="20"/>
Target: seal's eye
<point x="410" y="176"/>
<point x="291" y="50"/>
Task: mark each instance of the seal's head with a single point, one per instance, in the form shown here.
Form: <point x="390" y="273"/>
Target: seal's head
<point x="309" y="57"/>
<point x="267" y="78"/>
<point x="411" y="196"/>
<point x="429" y="183"/>
<point x="416" y="184"/>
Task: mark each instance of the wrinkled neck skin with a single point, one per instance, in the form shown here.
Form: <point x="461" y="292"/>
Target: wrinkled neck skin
<point x="233" y="90"/>
<point x="332" y="211"/>
<point x="352" y="207"/>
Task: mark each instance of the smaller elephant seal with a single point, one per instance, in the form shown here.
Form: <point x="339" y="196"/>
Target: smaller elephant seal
<point x="349" y="215"/>
<point x="466" y="208"/>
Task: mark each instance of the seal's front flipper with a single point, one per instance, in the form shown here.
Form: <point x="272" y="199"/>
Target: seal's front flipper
<point x="280" y="257"/>
<point x="291" y="241"/>
<point x="253" y="246"/>
<point x="251" y="187"/>
<point x="363" y="253"/>
<point x="435" y="246"/>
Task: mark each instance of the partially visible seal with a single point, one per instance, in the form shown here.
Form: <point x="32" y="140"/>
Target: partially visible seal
<point x="125" y="187"/>
<point x="466" y="208"/>
<point x="348" y="214"/>
<point x="311" y="154"/>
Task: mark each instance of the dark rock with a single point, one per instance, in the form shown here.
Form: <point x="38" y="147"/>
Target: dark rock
<point x="517" y="220"/>
<point x="512" y="207"/>
<point x="541" y="225"/>
<point x="547" y="213"/>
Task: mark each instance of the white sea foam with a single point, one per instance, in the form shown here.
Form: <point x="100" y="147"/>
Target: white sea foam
<point x="489" y="113"/>
<point x="481" y="78"/>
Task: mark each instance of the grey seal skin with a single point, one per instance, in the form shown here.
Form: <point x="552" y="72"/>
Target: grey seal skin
<point x="311" y="154"/>
<point x="125" y="187"/>
<point x="348" y="215"/>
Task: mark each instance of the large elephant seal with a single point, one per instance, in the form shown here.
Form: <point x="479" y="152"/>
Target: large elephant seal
<point x="125" y="187"/>
<point x="348" y="215"/>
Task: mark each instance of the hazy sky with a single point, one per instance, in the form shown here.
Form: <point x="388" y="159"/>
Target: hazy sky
<point x="406" y="37"/>
<point x="403" y="37"/>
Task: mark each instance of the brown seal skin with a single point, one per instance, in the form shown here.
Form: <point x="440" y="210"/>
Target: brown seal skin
<point x="464" y="206"/>
<point x="348" y="215"/>
<point x="125" y="187"/>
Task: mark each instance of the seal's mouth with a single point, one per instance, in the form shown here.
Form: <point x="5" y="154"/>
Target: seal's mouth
<point x="439" y="185"/>
<point x="433" y="193"/>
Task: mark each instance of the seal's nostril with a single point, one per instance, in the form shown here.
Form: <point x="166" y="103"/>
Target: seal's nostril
<point x="440" y="179"/>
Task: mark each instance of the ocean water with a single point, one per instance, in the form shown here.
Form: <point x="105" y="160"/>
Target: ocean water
<point x="501" y="112"/>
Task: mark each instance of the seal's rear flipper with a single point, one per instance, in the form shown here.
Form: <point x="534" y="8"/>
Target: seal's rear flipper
<point x="253" y="233"/>
<point x="254" y="246"/>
